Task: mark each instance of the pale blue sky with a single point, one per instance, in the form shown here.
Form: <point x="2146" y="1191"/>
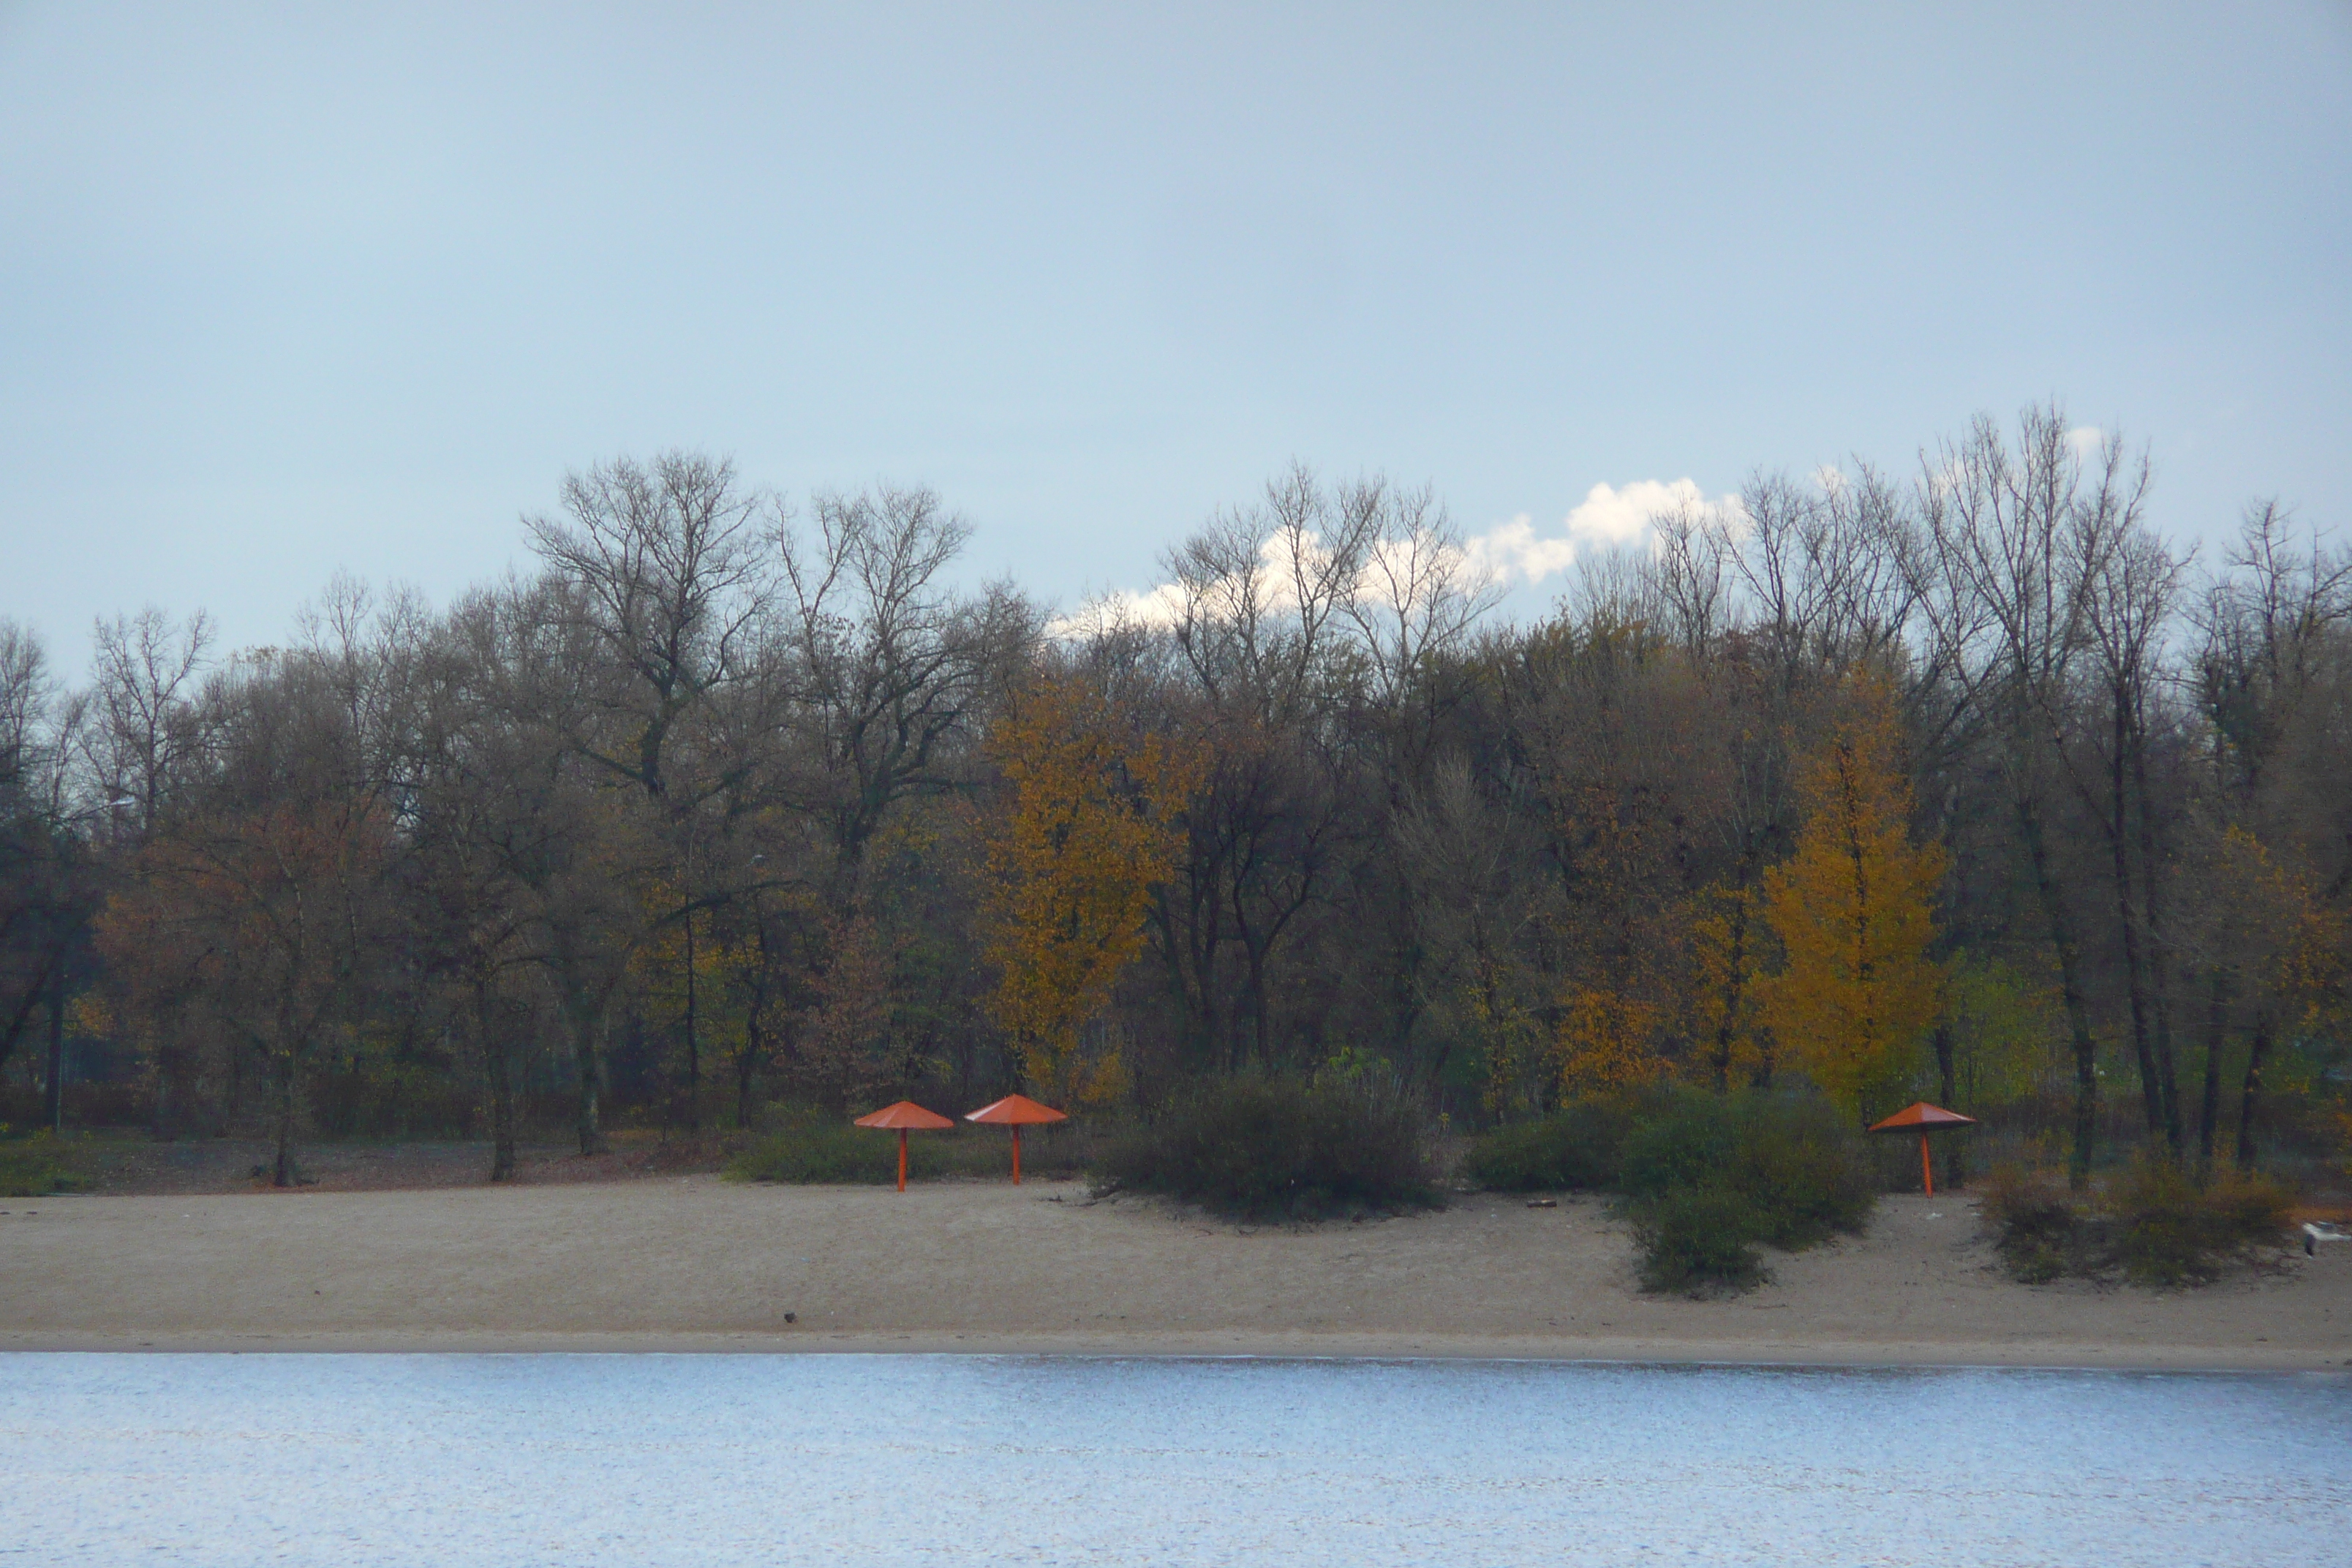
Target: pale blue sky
<point x="284" y="291"/>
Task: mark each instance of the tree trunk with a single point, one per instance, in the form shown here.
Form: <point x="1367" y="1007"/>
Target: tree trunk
<point x="2127" y="925"/>
<point x="499" y="1063"/>
<point x="502" y="1113"/>
<point x="2209" y="1109"/>
<point x="1257" y="1006"/>
<point x="744" y="1068"/>
<point x="31" y="1000"/>
<point x="282" y="1174"/>
<point x="1195" y="996"/>
<point x="1948" y="1084"/>
<point x="2250" y="1096"/>
<point x="2158" y="960"/>
<point x="588" y="1061"/>
<point x="2078" y="1017"/>
<point x="1735" y="982"/>
<point x="34" y="995"/>
<point x="56" y="1109"/>
<point x="693" y="1044"/>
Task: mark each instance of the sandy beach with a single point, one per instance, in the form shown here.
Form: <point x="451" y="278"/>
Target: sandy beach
<point x="694" y="1263"/>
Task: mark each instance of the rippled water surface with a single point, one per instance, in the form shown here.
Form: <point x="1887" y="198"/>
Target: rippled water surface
<point x="461" y="1460"/>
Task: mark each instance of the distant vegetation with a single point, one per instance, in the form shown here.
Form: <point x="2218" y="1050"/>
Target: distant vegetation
<point x="1967" y="784"/>
<point x="1278" y="1149"/>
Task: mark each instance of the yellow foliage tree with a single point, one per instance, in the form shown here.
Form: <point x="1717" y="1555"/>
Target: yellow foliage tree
<point x="1088" y="828"/>
<point x="1605" y="1041"/>
<point x="1850" y="909"/>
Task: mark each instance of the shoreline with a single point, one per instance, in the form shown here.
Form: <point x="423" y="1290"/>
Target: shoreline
<point x="1826" y="1354"/>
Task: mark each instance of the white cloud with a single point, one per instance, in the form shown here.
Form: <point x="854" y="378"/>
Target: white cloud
<point x="1157" y="610"/>
<point x="1510" y="553"/>
<point x="1609" y="518"/>
<point x="2086" y="440"/>
<point x="1512" y="550"/>
<point x="1162" y="608"/>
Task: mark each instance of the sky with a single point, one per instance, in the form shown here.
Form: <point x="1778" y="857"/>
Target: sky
<point x="289" y="291"/>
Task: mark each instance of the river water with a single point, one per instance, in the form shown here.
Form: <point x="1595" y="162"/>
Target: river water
<point x="502" y="1461"/>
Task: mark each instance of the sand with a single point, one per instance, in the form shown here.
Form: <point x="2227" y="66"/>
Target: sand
<point x="698" y="1263"/>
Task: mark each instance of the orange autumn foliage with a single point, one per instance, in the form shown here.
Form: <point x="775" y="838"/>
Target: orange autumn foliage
<point x="1606" y="1041"/>
<point x="1089" y="827"/>
<point x="1851" y="909"/>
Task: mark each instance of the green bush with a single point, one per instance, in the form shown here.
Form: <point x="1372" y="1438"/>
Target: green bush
<point x="1578" y="1148"/>
<point x="2169" y="1231"/>
<point x="1685" y="1139"/>
<point x="30" y="1168"/>
<point x="1277" y="1148"/>
<point x="808" y="1150"/>
<point x="1705" y="1176"/>
<point x="1697" y="1241"/>
<point x="1802" y="1170"/>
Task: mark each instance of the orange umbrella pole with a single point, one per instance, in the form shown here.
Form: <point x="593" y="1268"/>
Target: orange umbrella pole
<point x="1011" y="1112"/>
<point x="902" y="1158"/>
<point x="1927" y="1166"/>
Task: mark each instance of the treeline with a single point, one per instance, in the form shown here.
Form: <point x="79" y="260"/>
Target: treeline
<point x="1967" y="784"/>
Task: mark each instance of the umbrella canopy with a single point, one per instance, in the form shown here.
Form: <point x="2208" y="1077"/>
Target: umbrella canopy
<point x="906" y="1113"/>
<point x="902" y="1116"/>
<point x="1922" y="1115"/>
<point x="1015" y="1111"/>
<point x="1923" y="1118"/>
<point x="1018" y="1109"/>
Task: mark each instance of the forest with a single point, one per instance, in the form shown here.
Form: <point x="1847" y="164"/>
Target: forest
<point x="1964" y="784"/>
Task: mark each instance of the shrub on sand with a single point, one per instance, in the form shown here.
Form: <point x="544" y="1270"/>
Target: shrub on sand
<point x="1686" y="1139"/>
<point x="2034" y="1226"/>
<point x="1577" y="1148"/>
<point x="1802" y="1170"/>
<point x="2169" y="1231"/>
<point x="1698" y="1242"/>
<point x="2154" y="1223"/>
<point x="1705" y="1176"/>
<point x="30" y="1168"/>
<point x="1277" y="1148"/>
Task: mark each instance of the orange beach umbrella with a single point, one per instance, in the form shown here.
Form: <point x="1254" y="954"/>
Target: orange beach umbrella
<point x="1015" y="1111"/>
<point x="1927" y="1119"/>
<point x="902" y="1116"/>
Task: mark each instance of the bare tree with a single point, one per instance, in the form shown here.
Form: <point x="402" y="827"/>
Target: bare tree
<point x="46" y="886"/>
<point x="143" y="729"/>
<point x="674" y="580"/>
<point x="2132" y="596"/>
<point x="2275" y="687"/>
<point x="2024" y="545"/>
<point x="674" y="577"/>
<point x="889" y="663"/>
